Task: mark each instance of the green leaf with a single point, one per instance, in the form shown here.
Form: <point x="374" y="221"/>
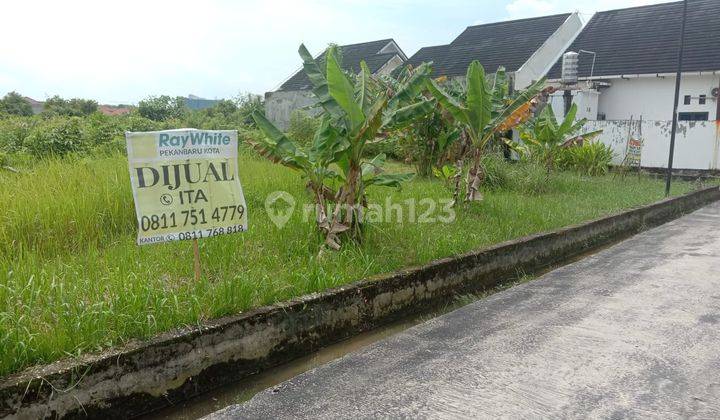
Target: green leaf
<point x="277" y="147"/>
<point x="477" y="101"/>
<point x="319" y="82"/>
<point x="375" y="164"/>
<point x="343" y="92"/>
<point x="568" y="122"/>
<point x="457" y="110"/>
<point x="412" y="86"/>
<point x="363" y="87"/>
<point x="407" y="115"/>
<point x="327" y="144"/>
<point x="373" y="122"/>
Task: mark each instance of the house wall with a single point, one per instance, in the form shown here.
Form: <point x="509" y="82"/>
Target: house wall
<point x="542" y="60"/>
<point x="697" y="143"/>
<point x="279" y="105"/>
<point x="627" y="100"/>
<point x="652" y="97"/>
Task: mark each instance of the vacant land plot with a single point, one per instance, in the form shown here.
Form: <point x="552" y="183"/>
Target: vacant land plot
<point x="72" y="279"/>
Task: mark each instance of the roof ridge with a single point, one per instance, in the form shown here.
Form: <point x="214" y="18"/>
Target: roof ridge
<point x="518" y="20"/>
<point x="368" y="42"/>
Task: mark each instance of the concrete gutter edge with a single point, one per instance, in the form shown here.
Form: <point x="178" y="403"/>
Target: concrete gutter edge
<point x="148" y="375"/>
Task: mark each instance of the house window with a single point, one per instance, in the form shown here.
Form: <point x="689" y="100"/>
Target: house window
<point x="703" y="98"/>
<point x="687" y="100"/>
<point x="693" y="116"/>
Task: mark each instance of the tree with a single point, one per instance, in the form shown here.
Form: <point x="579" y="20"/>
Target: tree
<point x="161" y="108"/>
<point x="75" y="107"/>
<point x="544" y="137"/>
<point x="354" y="111"/>
<point x="13" y="103"/>
<point x="484" y="112"/>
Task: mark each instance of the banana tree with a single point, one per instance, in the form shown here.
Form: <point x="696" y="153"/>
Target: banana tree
<point x="544" y="137"/>
<point x="355" y="110"/>
<point x="485" y="111"/>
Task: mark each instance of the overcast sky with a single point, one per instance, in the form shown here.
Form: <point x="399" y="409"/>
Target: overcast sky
<point x="123" y="51"/>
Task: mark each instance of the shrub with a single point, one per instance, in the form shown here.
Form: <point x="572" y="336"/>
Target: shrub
<point x="302" y="127"/>
<point x="58" y="136"/>
<point x="592" y="158"/>
<point x="13" y="132"/>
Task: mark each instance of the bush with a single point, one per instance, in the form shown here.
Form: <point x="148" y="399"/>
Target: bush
<point x="58" y="136"/>
<point x="592" y="158"/>
<point x="302" y="127"/>
<point x="13" y="132"/>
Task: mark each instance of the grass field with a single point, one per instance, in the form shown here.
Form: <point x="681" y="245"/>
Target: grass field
<point x="72" y="279"/>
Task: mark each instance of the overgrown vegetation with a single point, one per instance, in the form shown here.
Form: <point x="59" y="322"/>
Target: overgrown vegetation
<point x="72" y="279"/>
<point x="74" y="126"/>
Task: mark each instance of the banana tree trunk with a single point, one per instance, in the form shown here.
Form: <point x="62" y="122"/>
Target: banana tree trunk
<point x="474" y="178"/>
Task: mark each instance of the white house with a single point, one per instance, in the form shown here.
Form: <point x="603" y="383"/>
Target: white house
<point x="627" y="65"/>
<point x="381" y="57"/>
<point x="527" y="48"/>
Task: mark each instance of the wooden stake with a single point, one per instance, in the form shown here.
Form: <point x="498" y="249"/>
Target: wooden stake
<point x="196" y="251"/>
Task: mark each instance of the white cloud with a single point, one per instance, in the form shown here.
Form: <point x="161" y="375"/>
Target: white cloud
<point x="528" y="8"/>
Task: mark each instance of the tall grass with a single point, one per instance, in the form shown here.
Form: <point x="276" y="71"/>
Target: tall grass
<point x="72" y="279"/>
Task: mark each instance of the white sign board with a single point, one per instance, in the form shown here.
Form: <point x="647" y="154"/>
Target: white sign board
<point x="185" y="184"/>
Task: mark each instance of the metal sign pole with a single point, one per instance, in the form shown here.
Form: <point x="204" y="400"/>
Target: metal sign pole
<point x="677" y="99"/>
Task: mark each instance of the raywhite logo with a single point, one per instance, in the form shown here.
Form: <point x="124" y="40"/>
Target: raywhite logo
<point x="279" y="205"/>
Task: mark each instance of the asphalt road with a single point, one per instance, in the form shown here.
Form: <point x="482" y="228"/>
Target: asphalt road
<point x="632" y="331"/>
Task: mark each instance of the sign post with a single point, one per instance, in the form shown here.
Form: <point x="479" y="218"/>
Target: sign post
<point x="186" y="186"/>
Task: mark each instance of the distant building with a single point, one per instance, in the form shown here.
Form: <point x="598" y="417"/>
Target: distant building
<point x="382" y="57"/>
<point x="114" y="110"/>
<point x="527" y="48"/>
<point x="195" y="102"/>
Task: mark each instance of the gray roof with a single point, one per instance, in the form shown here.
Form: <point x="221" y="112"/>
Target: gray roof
<point x="509" y="44"/>
<point x="352" y="55"/>
<point x="645" y="40"/>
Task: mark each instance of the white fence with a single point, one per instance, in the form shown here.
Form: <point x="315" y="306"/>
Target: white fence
<point x="697" y="143"/>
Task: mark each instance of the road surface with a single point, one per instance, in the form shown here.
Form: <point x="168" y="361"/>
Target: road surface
<point x="632" y="331"/>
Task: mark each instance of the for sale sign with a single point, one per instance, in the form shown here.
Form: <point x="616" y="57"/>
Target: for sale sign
<point x="185" y="184"/>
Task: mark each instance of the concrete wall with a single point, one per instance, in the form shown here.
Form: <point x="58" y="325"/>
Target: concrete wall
<point x="537" y="66"/>
<point x="279" y="105"/>
<point x="697" y="144"/>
